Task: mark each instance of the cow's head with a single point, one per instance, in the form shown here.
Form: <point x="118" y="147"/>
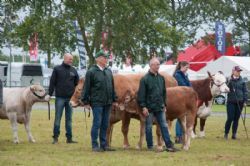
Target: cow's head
<point x="128" y="102"/>
<point x="39" y="94"/>
<point x="218" y="83"/>
<point x="75" y="100"/>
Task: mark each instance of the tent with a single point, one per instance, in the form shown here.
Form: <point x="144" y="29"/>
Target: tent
<point x="203" y="51"/>
<point x="192" y="75"/>
<point x="225" y="64"/>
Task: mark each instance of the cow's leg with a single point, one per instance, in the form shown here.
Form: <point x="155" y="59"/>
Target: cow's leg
<point x="159" y="138"/>
<point x="27" y="128"/>
<point x="125" y="128"/>
<point x="189" y="128"/>
<point x="189" y="132"/>
<point x="169" y="127"/>
<point x="13" y="120"/>
<point x="183" y="121"/>
<point x="142" y="133"/>
<point x="193" y="133"/>
<point x="202" y="125"/>
<point x="109" y="134"/>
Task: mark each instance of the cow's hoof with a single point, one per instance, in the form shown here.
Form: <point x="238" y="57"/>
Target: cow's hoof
<point x="202" y="134"/>
<point x="138" y="147"/>
<point x="125" y="146"/>
<point x="193" y="135"/>
<point x="185" y="148"/>
<point x="159" y="149"/>
<point x="32" y="141"/>
<point x="16" y="141"/>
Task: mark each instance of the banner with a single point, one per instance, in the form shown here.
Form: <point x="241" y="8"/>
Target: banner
<point x="33" y="47"/>
<point x="81" y="47"/>
<point x="220" y="37"/>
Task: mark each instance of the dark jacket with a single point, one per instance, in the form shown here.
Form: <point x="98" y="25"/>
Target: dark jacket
<point x="98" y="87"/>
<point x="64" y="80"/>
<point x="181" y="78"/>
<point x="238" y="90"/>
<point x="152" y="92"/>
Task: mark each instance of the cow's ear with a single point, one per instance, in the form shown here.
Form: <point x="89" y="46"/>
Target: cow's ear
<point x="209" y="74"/>
<point x="32" y="87"/>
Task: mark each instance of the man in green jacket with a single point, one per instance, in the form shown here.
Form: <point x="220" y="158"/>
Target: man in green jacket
<point x="152" y="100"/>
<point x="98" y="93"/>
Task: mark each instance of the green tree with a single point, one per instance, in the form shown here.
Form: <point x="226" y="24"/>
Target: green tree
<point x="55" y="31"/>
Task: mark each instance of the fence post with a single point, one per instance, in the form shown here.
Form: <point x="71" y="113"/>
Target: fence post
<point x="1" y="93"/>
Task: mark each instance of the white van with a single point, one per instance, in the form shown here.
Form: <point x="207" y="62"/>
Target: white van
<point x="24" y="74"/>
<point x="3" y="72"/>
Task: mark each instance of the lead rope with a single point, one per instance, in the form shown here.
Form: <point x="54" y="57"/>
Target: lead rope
<point x="48" y="110"/>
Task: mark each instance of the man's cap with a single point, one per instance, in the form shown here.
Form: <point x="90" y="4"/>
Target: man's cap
<point x="101" y="53"/>
<point x="237" y="68"/>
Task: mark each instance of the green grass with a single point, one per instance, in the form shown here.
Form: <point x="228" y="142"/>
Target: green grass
<point x="212" y="150"/>
<point x="222" y="108"/>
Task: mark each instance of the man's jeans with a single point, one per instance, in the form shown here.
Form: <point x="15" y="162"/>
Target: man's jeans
<point x="100" y="125"/>
<point x="161" y="119"/>
<point x="178" y="129"/>
<point x="60" y="104"/>
<point x="233" y="116"/>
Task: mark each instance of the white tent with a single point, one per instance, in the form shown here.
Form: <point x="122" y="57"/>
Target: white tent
<point x="163" y="68"/>
<point x="225" y="64"/>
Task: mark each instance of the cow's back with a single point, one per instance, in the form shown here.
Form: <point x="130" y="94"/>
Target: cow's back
<point x="179" y="100"/>
<point x="11" y="101"/>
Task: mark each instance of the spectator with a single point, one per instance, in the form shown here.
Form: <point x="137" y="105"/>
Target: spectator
<point x="63" y="80"/>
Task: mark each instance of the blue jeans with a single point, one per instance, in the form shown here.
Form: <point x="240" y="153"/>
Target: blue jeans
<point x="100" y="125"/>
<point x="161" y="119"/>
<point x="233" y="116"/>
<point x="60" y="104"/>
<point x="178" y="129"/>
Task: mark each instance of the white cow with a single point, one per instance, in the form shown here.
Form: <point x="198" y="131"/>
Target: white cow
<point x="17" y="104"/>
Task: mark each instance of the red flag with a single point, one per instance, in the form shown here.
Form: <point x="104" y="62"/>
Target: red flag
<point x="33" y="43"/>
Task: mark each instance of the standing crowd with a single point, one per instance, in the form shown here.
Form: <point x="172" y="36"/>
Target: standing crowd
<point x="99" y="95"/>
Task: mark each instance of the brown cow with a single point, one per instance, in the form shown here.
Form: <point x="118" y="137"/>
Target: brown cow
<point x="124" y="85"/>
<point x="207" y="89"/>
<point x="182" y="105"/>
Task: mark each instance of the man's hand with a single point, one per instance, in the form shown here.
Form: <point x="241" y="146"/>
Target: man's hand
<point x="115" y="104"/>
<point x="165" y="109"/>
<point x="145" y="111"/>
<point x="87" y="106"/>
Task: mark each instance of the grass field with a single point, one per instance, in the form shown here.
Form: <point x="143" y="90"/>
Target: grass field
<point x="212" y="150"/>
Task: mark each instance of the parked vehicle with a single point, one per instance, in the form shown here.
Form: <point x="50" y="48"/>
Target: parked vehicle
<point x="23" y="74"/>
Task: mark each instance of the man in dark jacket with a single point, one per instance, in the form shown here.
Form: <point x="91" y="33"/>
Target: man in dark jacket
<point x="99" y="94"/>
<point x="63" y="80"/>
<point x="152" y="100"/>
<point x="236" y="99"/>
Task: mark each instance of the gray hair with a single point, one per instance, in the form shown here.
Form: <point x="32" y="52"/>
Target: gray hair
<point x="153" y="60"/>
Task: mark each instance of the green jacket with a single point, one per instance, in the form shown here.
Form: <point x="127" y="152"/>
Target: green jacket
<point x="98" y="87"/>
<point x="238" y="91"/>
<point x="152" y="92"/>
